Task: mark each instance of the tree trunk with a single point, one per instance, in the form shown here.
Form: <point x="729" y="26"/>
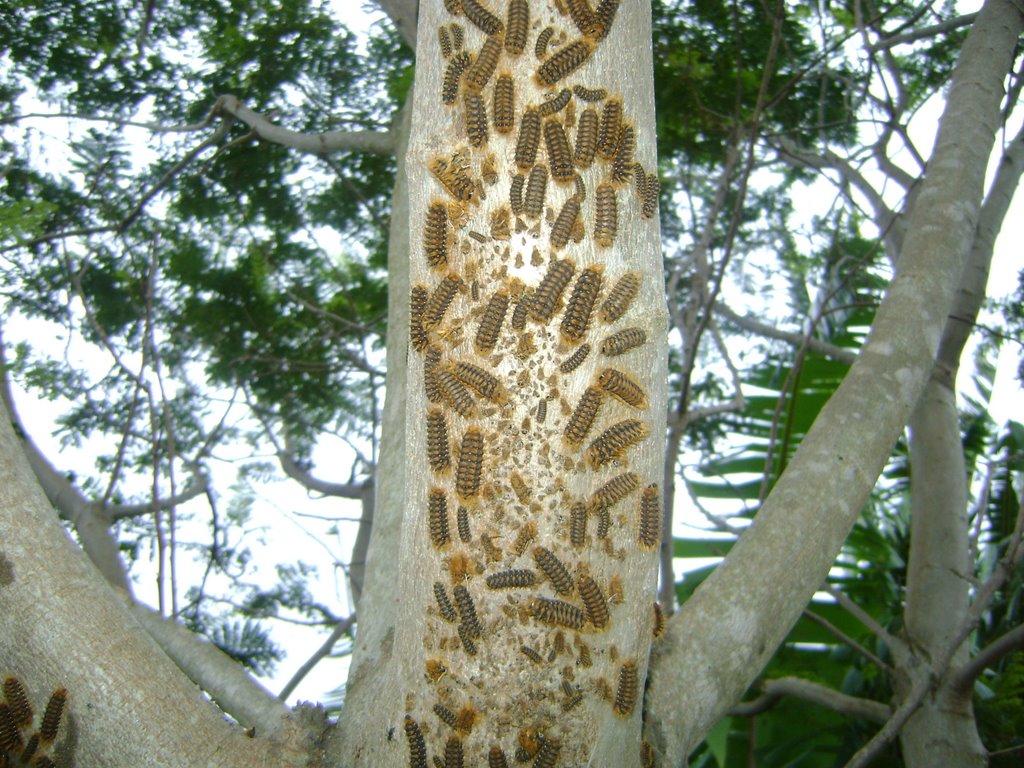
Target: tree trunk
<point x="724" y="635"/>
<point x="539" y="640"/>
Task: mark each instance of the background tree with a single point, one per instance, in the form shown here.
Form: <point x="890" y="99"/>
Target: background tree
<point x="233" y="275"/>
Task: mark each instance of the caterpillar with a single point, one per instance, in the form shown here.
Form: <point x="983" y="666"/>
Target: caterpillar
<point x="614" y="491"/>
<point x="437" y="517"/>
<point x="515" y="193"/>
<point x="564" y="222"/>
<point x="646" y="755"/>
<point x="483" y="382"/>
<point x="453" y="755"/>
<point x="622" y="341"/>
<point x="445" y="41"/>
<point x="536" y="187"/>
<point x="604" y="522"/>
<point x="606" y="217"/>
<point x="519" y="313"/>
<point x="452" y="75"/>
<point x="557" y="612"/>
<point x="444" y="605"/>
<point x="486" y="21"/>
<point x="552" y="567"/>
<point x="453" y="178"/>
<point x="611" y="125"/>
<point x="504" y="103"/>
<point x="518" y="26"/>
<point x="435" y="234"/>
<point x="578" y="525"/>
<point x="440" y="299"/>
<point x="454" y="392"/>
<point x="614" y="441"/>
<point x="17" y="701"/>
<point x="575" y="360"/>
<point x="659" y="621"/>
<point x="576" y="319"/>
<point x="501" y="224"/>
<point x="512" y="579"/>
<point x="556" y="103"/>
<point x="620" y="297"/>
<point x="476" y="118"/>
<point x="467" y="477"/>
<point x="622" y="165"/>
<point x="529" y="138"/>
<point x="462" y="523"/>
<point x="52" y="715"/>
<point x="542" y="410"/>
<point x="444" y="714"/>
<point x="605" y="14"/>
<point x="559" y="153"/>
<point x="589" y="94"/>
<point x="431" y="384"/>
<point x="540" y="48"/>
<point x="639" y="180"/>
<point x="479" y="72"/>
<point x="652" y="188"/>
<point x="467" y="641"/>
<point x="549" y="292"/>
<point x="626" y="690"/>
<point x="496" y="758"/>
<point x="490" y="324"/>
<point x="437" y="441"/>
<point x="417" y="745"/>
<point x="649" y="527"/>
<point x="572" y="700"/>
<point x="564" y="62"/>
<point x="467" y="611"/>
<point x="419" y="339"/>
<point x="593" y="600"/>
<point x="458" y="36"/>
<point x="621" y="387"/>
<point x="586" y="138"/>
<point x="531" y="654"/>
<point x="454" y="7"/>
<point x="583" y="17"/>
<point x="582" y="418"/>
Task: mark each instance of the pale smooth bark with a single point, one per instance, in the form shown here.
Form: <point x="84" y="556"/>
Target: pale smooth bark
<point x="379" y="604"/>
<point x="128" y="704"/>
<point x="724" y="635"/>
<point x="943" y="730"/>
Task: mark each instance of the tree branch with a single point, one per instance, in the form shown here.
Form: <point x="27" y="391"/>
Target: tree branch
<point x="372" y="142"/>
<point x="815" y="693"/>
<point x="964" y="677"/>
<point x="930" y="31"/>
<point x="340" y="629"/>
<point x="790" y="337"/>
<point x="747" y="606"/>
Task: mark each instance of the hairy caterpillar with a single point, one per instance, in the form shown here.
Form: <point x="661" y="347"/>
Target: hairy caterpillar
<point x="504" y="103"/>
<point x="512" y="579"/>
<point x="549" y="292"/>
<point x="564" y="62"/>
<point x="620" y="386"/>
<point x="649" y="527"/>
<point x="593" y="600"/>
<point x="556" y="103"/>
<point x="437" y="441"/>
<point x="490" y="324"/>
<point x="589" y="94"/>
<point x="552" y="567"/>
<point x="575" y="360"/>
<point x="529" y="138"/>
<point x="476" y="118"/>
<point x="444" y="605"/>
<point x="559" y="153"/>
<point x="557" y="612"/>
<point x="479" y="72"/>
<point x="540" y="48"/>
<point x="606" y="218"/>
<point x="561" y="230"/>
<point x="613" y="442"/>
<point x="452" y="76"/>
<point x="536" y="187"/>
<point x="467" y="479"/>
<point x="627" y="689"/>
<point x="620" y="297"/>
<point x="612" y="492"/>
<point x="622" y="341"/>
<point x="437" y="517"/>
<point x="435" y="234"/>
<point x="576" y="319"/>
<point x="486" y="21"/>
<point x="583" y="415"/>
<point x="518" y="26"/>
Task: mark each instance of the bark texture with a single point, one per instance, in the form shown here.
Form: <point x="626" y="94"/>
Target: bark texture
<point x="128" y="704"/>
<point x="725" y="634"/>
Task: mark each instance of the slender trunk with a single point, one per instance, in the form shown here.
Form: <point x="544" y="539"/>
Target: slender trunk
<point x="719" y="641"/>
<point x="943" y="730"/>
<point x="493" y="487"/>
